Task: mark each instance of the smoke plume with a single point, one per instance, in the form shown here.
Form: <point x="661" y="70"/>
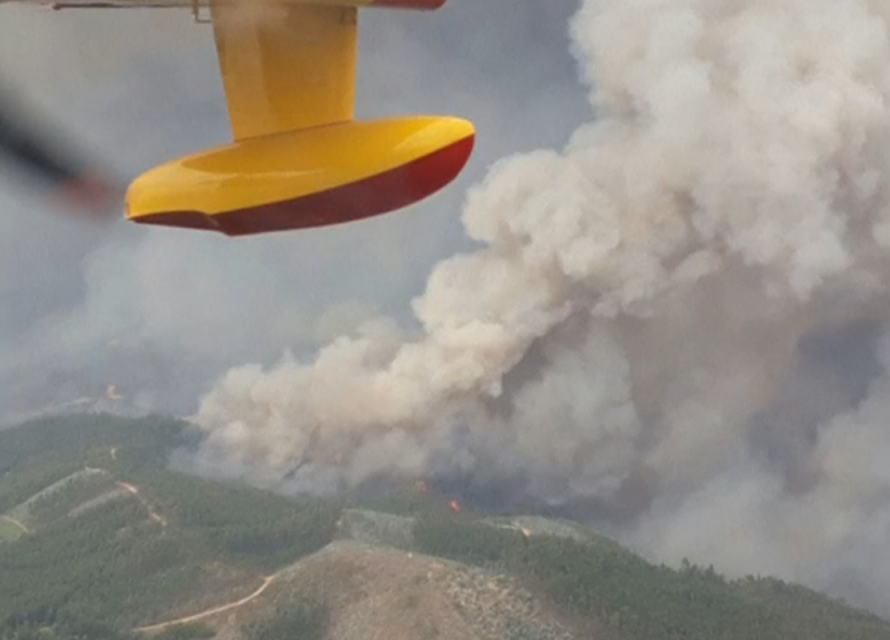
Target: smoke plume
<point x="674" y="325"/>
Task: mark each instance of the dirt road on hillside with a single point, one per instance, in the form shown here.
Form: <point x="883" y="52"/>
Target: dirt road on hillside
<point x="210" y="612"/>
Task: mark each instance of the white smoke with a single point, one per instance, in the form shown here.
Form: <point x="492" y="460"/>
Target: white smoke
<point x="628" y="331"/>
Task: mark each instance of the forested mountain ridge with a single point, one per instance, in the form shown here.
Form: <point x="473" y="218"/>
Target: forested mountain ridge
<point x="99" y="539"/>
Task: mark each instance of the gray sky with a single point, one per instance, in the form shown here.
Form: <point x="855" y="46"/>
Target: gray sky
<point x="162" y="312"/>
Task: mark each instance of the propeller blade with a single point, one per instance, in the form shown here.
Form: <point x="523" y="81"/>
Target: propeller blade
<point x="73" y="182"/>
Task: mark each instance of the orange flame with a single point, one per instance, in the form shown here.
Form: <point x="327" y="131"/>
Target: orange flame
<point x="455" y="506"/>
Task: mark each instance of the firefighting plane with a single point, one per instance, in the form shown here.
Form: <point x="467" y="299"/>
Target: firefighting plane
<point x="298" y="158"/>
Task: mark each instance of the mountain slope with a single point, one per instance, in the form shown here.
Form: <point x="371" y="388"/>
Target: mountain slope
<point x="99" y="539"/>
<point x="125" y="541"/>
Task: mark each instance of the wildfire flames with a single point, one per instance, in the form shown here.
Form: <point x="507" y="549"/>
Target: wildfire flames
<point x="455" y="506"/>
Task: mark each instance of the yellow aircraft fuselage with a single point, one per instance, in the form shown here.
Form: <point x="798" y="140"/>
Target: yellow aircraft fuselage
<point x="298" y="159"/>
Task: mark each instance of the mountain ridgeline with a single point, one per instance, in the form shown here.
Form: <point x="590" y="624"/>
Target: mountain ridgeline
<point x="99" y="539"/>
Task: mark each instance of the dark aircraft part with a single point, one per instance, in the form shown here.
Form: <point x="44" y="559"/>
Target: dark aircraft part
<point x="23" y="144"/>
